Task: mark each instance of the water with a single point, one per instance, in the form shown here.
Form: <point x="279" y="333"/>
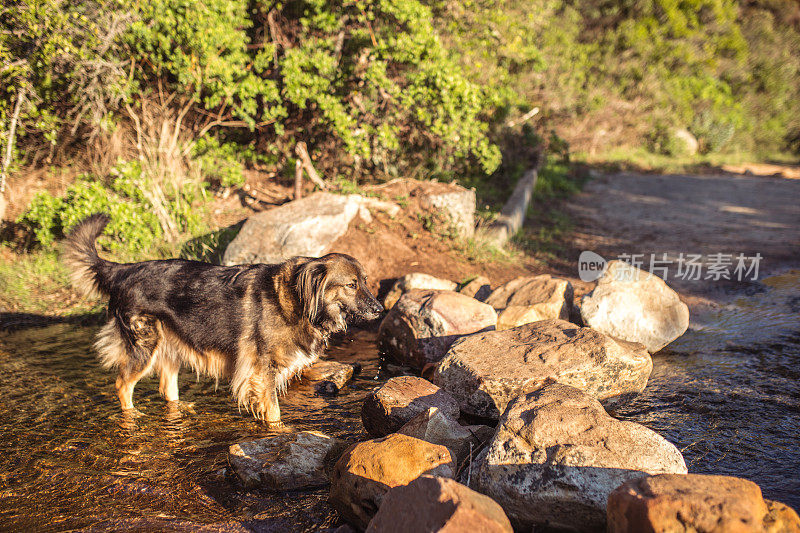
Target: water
<point x="727" y="394"/>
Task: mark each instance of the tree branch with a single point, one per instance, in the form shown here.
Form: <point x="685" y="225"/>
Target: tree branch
<point x="302" y="152"/>
<point x="10" y="141"/>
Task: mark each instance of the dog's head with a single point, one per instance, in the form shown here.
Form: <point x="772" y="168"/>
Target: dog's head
<point x="333" y="293"/>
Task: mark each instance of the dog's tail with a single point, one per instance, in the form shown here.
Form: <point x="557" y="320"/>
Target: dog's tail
<point x="88" y="271"/>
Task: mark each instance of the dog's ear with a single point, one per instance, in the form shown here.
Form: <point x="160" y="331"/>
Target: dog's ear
<point x="312" y="279"/>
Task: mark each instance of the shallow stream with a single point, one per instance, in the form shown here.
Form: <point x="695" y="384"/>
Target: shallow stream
<point x="727" y="394"/>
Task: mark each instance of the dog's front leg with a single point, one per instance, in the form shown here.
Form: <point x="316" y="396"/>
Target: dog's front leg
<point x="269" y="406"/>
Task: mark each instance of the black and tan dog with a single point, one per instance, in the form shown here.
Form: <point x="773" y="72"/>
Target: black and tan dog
<point x="258" y="325"/>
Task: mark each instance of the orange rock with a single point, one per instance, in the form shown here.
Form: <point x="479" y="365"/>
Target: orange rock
<point x="693" y="502"/>
<point x="367" y="470"/>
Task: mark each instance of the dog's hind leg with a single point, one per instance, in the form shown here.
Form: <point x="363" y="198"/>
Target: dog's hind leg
<point x="144" y="340"/>
<point x="168" y="378"/>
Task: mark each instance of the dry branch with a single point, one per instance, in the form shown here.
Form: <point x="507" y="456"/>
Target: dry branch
<point x="302" y="152"/>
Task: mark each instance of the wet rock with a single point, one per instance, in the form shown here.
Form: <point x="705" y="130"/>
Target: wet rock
<point x="387" y="408"/>
<point x="285" y="462"/>
<point x="435" y="504"/>
<point x="528" y="299"/>
<point x="436" y="427"/>
<point x="416" y="280"/>
<point x="456" y="204"/>
<point x="367" y="470"/>
<point x="557" y="455"/>
<point x="479" y="288"/>
<point x="302" y="227"/>
<point x="634" y="305"/>
<point x="422" y="325"/>
<point x="695" y="502"/>
<point x="333" y="372"/>
<point x="485" y="371"/>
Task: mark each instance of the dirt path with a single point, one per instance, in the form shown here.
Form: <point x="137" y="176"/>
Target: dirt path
<point x="631" y="213"/>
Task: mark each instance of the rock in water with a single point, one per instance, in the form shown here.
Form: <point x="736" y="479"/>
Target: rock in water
<point x="367" y="470"/>
<point x="528" y="299"/>
<point x="302" y="227"/>
<point x="485" y="371"/>
<point x="436" y="427"/>
<point x="423" y="324"/>
<point x="694" y="502"/>
<point x="338" y="374"/>
<point x="433" y="504"/>
<point x="634" y="305"/>
<point x="557" y="455"/>
<point x="285" y="462"/>
<point x="387" y="408"/>
<point x="479" y="288"/>
<point x="416" y="280"/>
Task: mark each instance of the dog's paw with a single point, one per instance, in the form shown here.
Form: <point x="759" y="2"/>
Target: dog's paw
<point x="132" y="413"/>
<point x="275" y="426"/>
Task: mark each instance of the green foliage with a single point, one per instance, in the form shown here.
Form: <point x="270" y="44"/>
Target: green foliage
<point x="219" y="163"/>
<point x="555" y="180"/>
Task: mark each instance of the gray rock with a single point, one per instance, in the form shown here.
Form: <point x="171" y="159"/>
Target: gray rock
<point x="304" y="227"/>
<point x="557" y="455"/>
<point x="436" y="504"/>
<point x="485" y="371"/>
<point x="688" y="142"/>
<point x="438" y="428"/>
<point x="422" y="325"/>
<point x="285" y="462"/>
<point x="529" y="299"/>
<point x="479" y="288"/>
<point x="631" y="304"/>
<point x="387" y="408"/>
<point x="416" y="280"/>
<point x="456" y="204"/>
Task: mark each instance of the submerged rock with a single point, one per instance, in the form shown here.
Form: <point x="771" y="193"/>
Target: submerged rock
<point x="557" y="455"/>
<point x="528" y="299"/>
<point x="388" y="407"/>
<point x="485" y="371"/>
<point x="694" y="502"/>
<point x="333" y="372"/>
<point x="436" y="427"/>
<point x="433" y="504"/>
<point x="631" y="304"/>
<point x="419" y="281"/>
<point x="367" y="470"/>
<point x="422" y="325"/>
<point x="285" y="462"/>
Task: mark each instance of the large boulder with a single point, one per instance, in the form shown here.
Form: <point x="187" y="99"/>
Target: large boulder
<point x="479" y="288"/>
<point x="423" y="324"/>
<point x="367" y="470"/>
<point x="557" y="455"/>
<point x="485" y="371"/>
<point x="302" y="227"/>
<point x="634" y="305"/>
<point x="694" y="502"/>
<point x="528" y="299"/>
<point x="285" y="462"/>
<point x="435" y="504"/>
<point x="416" y="280"/>
<point x="436" y="427"/>
<point x="388" y="407"/>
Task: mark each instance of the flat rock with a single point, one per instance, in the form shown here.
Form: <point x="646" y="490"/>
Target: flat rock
<point x="304" y="227"/>
<point x="557" y="455"/>
<point x="455" y="203"/>
<point x="436" y="504"/>
<point x="416" y="280"/>
<point x="387" y="408"/>
<point x="329" y="371"/>
<point x="695" y="502"/>
<point x="285" y="462"/>
<point x="478" y="288"/>
<point x="528" y="299"/>
<point x="634" y="305"/>
<point x="367" y="470"/>
<point x="485" y="371"/>
<point x="423" y="324"/>
<point x="436" y="427"/>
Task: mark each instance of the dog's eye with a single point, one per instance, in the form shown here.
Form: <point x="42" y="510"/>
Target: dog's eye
<point x="352" y="285"/>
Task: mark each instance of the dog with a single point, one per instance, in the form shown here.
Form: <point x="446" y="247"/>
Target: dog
<point x="257" y="325"/>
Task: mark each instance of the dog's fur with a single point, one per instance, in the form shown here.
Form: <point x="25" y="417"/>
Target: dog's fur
<point x="258" y="325"/>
